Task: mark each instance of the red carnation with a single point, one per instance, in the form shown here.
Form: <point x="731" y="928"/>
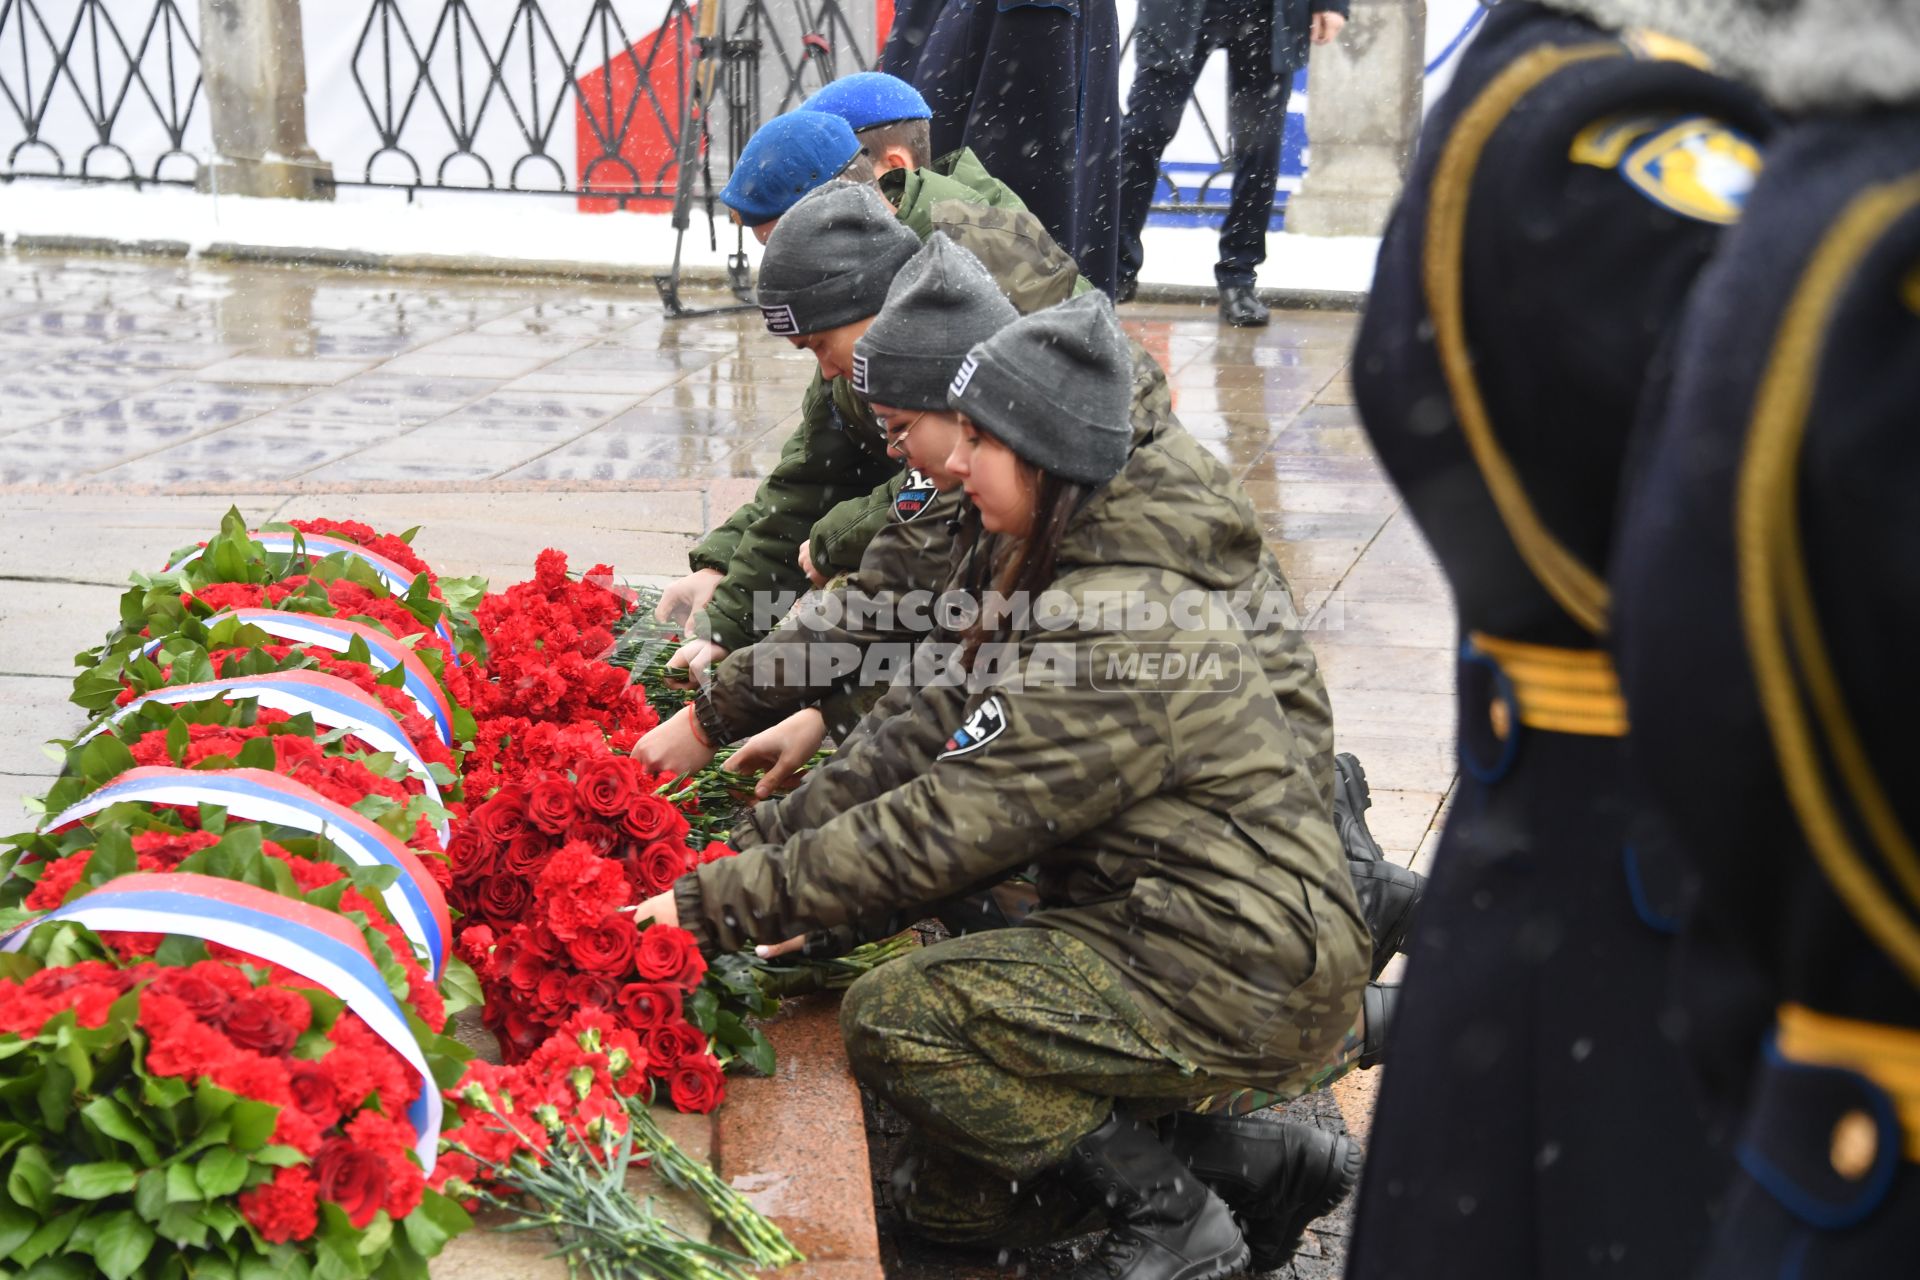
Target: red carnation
<point x="607" y="947"/>
<point x="666" y="954"/>
<point x="579" y="889"/>
<point x="354" y="1178"/>
<point x="696" y="1085"/>
<point x="550" y="805"/>
<point x="608" y="787"/>
<point x="285" y="1209"/>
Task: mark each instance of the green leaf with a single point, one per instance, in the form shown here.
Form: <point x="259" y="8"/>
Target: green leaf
<point x="222" y="1219"/>
<point x="758" y="1053"/>
<point x="125" y="1241"/>
<point x="221" y="1172"/>
<point x="104" y="758"/>
<point x="150" y="1194"/>
<point x="279" y="1157"/>
<point x="375" y="1237"/>
<point x="182" y="1186"/>
<point x="253" y="1122"/>
<point x="49" y="1236"/>
<point x="178" y="740"/>
<point x="258" y="753"/>
<point x="96" y="1181"/>
<point x="31" y="1181"/>
<point x="111" y="1119"/>
<point x="16" y="1224"/>
<point x="57" y="1269"/>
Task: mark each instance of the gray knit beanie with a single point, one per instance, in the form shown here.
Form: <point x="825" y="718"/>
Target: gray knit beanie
<point x="940" y="304"/>
<point x="1056" y="387"/>
<point x="830" y="260"/>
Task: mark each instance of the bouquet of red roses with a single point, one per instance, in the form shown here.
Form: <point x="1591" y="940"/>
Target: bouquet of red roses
<point x="547" y="870"/>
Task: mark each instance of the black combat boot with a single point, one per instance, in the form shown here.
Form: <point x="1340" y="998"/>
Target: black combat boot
<point x="1388" y="892"/>
<point x="1276" y="1175"/>
<point x="1164" y="1224"/>
<point x="1378" y="1003"/>
<point x="1241" y="307"/>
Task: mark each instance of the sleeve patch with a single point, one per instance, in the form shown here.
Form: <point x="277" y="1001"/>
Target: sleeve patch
<point x="1699" y="168"/>
<point x="985" y="723"/>
<point x="917" y="493"/>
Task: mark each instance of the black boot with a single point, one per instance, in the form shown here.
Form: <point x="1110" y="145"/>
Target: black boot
<point x="1277" y="1176"/>
<point x="1240" y="307"/>
<point x="1351" y="800"/>
<point x="1377" y="1003"/>
<point x="1164" y="1222"/>
<point x="1389" y="895"/>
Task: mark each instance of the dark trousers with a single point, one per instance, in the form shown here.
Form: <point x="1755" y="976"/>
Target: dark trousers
<point x="1256" y="116"/>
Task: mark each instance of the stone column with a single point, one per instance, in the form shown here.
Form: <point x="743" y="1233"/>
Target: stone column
<point x="1363" y="115"/>
<point x="254" y="67"/>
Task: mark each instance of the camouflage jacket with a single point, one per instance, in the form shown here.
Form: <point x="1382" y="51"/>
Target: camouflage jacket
<point x="1169" y="809"/>
<point x="841" y="647"/>
<point x="833" y="486"/>
<point x="964" y="167"/>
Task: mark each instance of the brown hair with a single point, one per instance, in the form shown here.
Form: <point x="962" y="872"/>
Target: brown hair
<point x="915" y="137"/>
<point x="859" y="170"/>
<point x="1022" y="567"/>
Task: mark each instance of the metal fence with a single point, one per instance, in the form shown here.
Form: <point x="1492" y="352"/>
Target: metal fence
<point x="466" y="95"/>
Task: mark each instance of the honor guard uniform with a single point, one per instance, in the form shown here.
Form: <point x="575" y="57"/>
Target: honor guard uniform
<point x="1768" y="600"/>
<point x="1567" y="191"/>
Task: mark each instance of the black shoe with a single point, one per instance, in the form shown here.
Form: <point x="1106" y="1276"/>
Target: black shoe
<point x="1240" y="308"/>
<point x="1351" y="800"/>
<point x="1126" y="289"/>
<point x="1164" y="1222"/>
<point x="1389" y="895"/>
<point x="1377" y="1003"/>
<point x="1277" y="1176"/>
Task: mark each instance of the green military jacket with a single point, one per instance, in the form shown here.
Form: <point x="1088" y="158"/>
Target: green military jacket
<point x="833" y="485"/>
<point x="1173" y="822"/>
<point x="964" y="167"/>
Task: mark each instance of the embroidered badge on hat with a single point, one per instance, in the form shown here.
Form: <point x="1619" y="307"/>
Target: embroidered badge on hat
<point x="915" y="496"/>
<point x="860" y="375"/>
<point x="780" y="320"/>
<point x="1698" y="167"/>
<point x="987" y="722"/>
<point x="968" y="368"/>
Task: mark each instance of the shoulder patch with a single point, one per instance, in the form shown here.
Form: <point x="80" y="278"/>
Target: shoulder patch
<point x="987" y="722"/>
<point x="916" y="494"/>
<point x="1698" y="167"/>
<point x="964" y="375"/>
<point x="780" y="320"/>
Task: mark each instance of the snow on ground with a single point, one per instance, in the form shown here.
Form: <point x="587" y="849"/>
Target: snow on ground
<point x="521" y="229"/>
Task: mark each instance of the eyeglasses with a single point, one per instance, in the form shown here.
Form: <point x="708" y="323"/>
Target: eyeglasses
<point x="897" y="441"/>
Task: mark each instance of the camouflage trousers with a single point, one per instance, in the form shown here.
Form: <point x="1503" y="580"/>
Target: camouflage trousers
<point x="1004" y="1049"/>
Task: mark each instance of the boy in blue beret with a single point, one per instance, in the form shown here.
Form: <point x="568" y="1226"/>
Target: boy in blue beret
<point x="894" y="126"/>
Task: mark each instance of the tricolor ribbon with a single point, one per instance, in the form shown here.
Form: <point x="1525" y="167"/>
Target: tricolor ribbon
<point x="415" y="899"/>
<point x="332" y="702"/>
<point x="317" y="945"/>
<point x="338" y="634"/>
<point x="398" y="579"/>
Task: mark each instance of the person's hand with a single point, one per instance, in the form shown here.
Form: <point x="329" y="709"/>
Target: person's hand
<point x="779" y="949"/>
<point x="779" y="750"/>
<point x="659" y="909"/>
<point x="1326" y="26"/>
<point x="688" y="596"/>
<point x="675" y="747"/>
<point x="693" y="657"/>
<point x="805" y="558"/>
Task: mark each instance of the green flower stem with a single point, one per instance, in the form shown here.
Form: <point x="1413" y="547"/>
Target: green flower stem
<point x="764" y="1242"/>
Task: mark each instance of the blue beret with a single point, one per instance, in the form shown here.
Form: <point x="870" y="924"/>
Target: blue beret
<point x="787" y="157"/>
<point x="870" y="98"/>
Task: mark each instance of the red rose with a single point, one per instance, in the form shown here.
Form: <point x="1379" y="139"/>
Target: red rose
<point x="502" y="818"/>
<point x="669" y="1043"/>
<point x="205" y="1001"/>
<point x="607" y="947"/>
<point x="593" y="991"/>
<point x="550" y="806"/>
<point x="661" y="863"/>
<point x="354" y="1178"/>
<point x="596" y="835"/>
<point x="503" y="900"/>
<point x="650" y="818"/>
<point x="646" y="1005"/>
<point x="525" y="854"/>
<point x="551" y="993"/>
<point x="667" y="954"/>
<point x="314" y="1092"/>
<point x="256" y="1024"/>
<point x="695" y="1084"/>
<point x="285" y="1209"/>
<point x="471" y="857"/>
<point x="608" y="787"/>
